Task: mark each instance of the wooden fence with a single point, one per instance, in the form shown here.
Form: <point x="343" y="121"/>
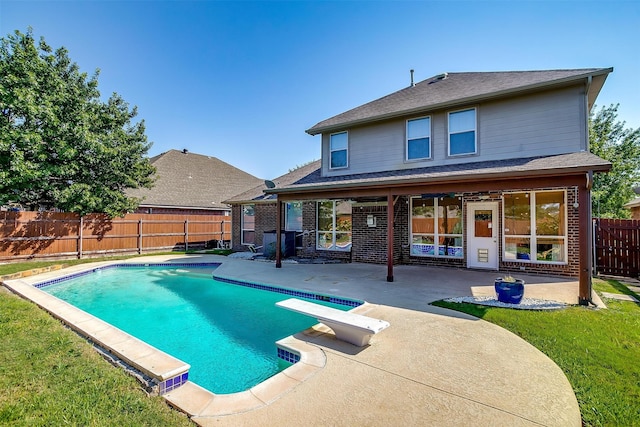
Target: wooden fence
<point x="617" y="247"/>
<point x="47" y="234"/>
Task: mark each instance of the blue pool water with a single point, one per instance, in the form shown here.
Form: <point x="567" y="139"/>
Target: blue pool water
<point x="226" y="332"/>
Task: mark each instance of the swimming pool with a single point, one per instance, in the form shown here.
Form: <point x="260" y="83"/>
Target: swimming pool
<point x="226" y="332"/>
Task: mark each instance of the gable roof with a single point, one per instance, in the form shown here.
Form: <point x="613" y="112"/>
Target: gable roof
<point x="451" y="89"/>
<point x="189" y="180"/>
<point x="257" y="193"/>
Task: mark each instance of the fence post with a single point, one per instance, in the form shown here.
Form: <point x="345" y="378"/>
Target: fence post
<point x="186" y="235"/>
<point x="80" y="227"/>
<point x="140" y="236"/>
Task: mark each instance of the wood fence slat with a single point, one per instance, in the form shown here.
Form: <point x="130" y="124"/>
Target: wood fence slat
<point x="50" y="234"/>
<point x="617" y="247"/>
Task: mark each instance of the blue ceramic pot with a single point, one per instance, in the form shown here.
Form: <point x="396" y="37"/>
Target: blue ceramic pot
<point x="509" y="292"/>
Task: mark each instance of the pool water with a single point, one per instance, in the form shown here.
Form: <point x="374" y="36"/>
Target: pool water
<point x="226" y="332"/>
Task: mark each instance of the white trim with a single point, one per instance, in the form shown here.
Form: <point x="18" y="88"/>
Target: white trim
<point x="406" y="140"/>
<point x="475" y="132"/>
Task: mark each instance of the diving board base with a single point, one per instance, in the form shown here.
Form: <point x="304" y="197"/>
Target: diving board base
<point x="350" y="327"/>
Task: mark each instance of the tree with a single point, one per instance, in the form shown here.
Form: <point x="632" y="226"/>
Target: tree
<point x="60" y="145"/>
<point x="610" y="140"/>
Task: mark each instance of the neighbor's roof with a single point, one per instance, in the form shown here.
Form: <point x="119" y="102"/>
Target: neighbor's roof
<point x="189" y="180"/>
<point x="465" y="172"/>
<point x="452" y="89"/>
<point x="257" y="193"/>
<point x="633" y="204"/>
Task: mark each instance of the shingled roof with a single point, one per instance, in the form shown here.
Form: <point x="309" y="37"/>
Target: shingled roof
<point x="555" y="165"/>
<point x="451" y="89"/>
<point x="189" y="180"/>
<point x="257" y="193"/>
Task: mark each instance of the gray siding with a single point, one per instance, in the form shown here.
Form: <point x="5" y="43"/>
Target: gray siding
<point x="547" y="123"/>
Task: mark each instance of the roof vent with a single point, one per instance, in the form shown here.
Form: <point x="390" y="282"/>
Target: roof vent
<point x="412" y="83"/>
<point x="442" y="76"/>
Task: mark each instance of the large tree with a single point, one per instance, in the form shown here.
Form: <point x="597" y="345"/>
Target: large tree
<point x="60" y="145"/>
<point x="611" y="140"/>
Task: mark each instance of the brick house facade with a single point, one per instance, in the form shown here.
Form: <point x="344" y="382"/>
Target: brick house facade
<point x="463" y="170"/>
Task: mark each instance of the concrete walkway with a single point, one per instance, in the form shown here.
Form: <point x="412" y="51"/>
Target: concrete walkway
<point x="430" y="367"/>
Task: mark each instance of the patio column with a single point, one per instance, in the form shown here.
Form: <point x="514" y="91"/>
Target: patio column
<point x="389" y="238"/>
<point x="585" y="241"/>
<point x="278" y="234"/>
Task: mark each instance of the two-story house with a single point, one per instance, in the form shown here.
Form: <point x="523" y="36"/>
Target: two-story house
<point x="484" y="170"/>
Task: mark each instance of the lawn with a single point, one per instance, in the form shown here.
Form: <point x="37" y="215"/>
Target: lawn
<point x="49" y="376"/>
<point x="598" y="350"/>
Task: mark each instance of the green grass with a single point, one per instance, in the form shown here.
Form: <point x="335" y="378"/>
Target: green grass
<point x="598" y="350"/>
<point x="49" y="376"/>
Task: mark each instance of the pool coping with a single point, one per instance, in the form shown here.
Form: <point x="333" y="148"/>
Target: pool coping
<point x="162" y="373"/>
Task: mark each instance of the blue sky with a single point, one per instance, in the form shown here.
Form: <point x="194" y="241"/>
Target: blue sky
<point x="243" y="80"/>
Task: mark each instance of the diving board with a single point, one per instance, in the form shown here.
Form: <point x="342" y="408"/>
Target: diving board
<point x="350" y="327"/>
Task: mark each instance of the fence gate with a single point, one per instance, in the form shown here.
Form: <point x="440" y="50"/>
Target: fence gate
<point x="617" y="247"/>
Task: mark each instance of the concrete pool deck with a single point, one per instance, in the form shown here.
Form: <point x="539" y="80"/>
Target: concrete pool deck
<point x="430" y="367"/>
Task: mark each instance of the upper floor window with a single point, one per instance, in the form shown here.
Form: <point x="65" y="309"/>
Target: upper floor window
<point x="462" y="132"/>
<point x="419" y="138"/>
<point x="338" y="148"/>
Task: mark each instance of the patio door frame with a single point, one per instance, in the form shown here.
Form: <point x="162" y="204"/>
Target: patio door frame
<point x="483" y="252"/>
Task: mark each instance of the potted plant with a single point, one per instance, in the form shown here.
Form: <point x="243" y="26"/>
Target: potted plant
<point x="509" y="289"/>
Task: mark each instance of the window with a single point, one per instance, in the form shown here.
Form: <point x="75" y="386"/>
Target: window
<point x="436" y="226"/>
<point x="462" y="132"/>
<point x="535" y="226"/>
<point x="334" y="225"/>
<point x="293" y="220"/>
<point x="338" y="147"/>
<point x="293" y="216"/>
<point x="419" y="138"/>
<point x="248" y="225"/>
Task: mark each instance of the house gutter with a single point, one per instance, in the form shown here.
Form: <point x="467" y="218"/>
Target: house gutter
<point x="226" y="208"/>
<point x="458" y="178"/>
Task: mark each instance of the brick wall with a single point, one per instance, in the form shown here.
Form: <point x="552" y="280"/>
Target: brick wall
<point x="370" y="243"/>
<point x="265" y="220"/>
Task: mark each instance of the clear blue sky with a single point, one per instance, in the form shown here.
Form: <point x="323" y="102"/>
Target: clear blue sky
<point x="242" y="81"/>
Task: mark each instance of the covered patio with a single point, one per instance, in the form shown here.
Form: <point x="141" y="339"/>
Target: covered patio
<point x="472" y="183"/>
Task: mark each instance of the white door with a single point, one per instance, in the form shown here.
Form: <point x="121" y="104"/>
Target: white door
<point x="482" y="235"/>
